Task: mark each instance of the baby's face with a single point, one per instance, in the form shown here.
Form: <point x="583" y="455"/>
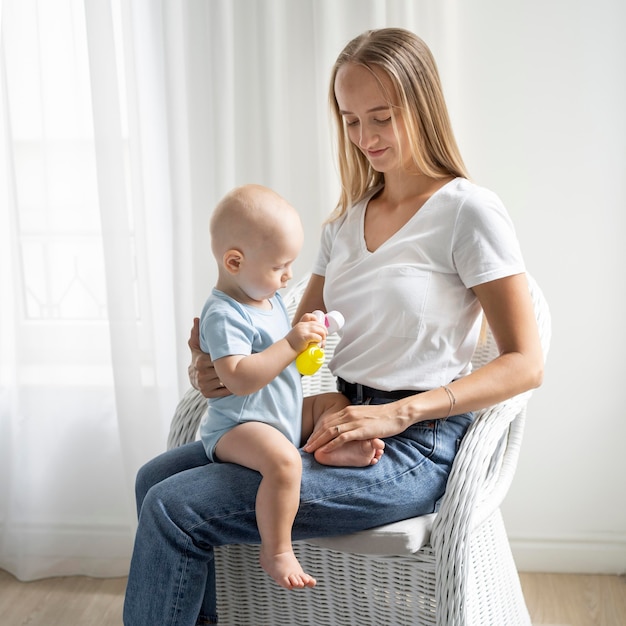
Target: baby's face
<point x="269" y="268"/>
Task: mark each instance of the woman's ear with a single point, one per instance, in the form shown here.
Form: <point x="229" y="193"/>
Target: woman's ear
<point x="232" y="260"/>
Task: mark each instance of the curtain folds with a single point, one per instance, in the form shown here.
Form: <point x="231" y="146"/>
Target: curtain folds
<point x="121" y="125"/>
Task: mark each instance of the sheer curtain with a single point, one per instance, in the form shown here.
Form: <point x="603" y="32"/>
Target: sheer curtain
<point x="121" y="125"/>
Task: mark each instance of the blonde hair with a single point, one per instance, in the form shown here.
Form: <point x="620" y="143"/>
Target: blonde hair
<point x="411" y="67"/>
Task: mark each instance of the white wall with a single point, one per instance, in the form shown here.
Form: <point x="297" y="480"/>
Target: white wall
<point x="540" y="111"/>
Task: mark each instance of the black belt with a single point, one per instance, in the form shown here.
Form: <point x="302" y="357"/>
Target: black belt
<point x="355" y="390"/>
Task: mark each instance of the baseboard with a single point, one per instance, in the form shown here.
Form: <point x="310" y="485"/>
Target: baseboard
<point x="573" y="555"/>
<point x="32" y="551"/>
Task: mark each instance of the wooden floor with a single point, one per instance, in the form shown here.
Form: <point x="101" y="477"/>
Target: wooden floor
<point x="552" y="599"/>
<point x="75" y="601"/>
<point x="575" y="599"/>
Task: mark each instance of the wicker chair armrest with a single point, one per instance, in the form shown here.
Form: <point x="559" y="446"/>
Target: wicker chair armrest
<point x="484" y="465"/>
<point x="481" y="475"/>
<point x="187" y="416"/>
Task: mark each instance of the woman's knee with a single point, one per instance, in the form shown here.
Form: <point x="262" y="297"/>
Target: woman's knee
<point x="144" y="480"/>
<point x="148" y="475"/>
<point x="167" y="464"/>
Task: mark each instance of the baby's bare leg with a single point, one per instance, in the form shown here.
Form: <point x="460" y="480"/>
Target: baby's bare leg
<point x="350" y="454"/>
<point x="266" y="450"/>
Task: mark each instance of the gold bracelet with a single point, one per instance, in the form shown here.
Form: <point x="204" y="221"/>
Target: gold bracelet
<point x="451" y="398"/>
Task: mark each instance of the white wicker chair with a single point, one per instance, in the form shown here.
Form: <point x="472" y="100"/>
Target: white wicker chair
<point x="453" y="568"/>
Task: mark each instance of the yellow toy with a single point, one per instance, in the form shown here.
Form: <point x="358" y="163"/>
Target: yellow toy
<point x="311" y="359"/>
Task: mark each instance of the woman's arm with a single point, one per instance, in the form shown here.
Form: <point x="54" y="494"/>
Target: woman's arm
<point x="312" y="298"/>
<point x="519" y="367"/>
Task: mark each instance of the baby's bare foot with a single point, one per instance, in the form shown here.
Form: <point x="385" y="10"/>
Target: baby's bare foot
<point x="286" y="570"/>
<point x="353" y="454"/>
<point x="378" y="446"/>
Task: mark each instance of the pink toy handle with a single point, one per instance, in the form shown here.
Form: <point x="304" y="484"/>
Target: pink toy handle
<point x="333" y="320"/>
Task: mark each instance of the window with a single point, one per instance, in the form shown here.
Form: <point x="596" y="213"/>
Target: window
<point x="59" y="260"/>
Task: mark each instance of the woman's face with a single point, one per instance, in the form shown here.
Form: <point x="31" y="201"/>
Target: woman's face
<point x="363" y="96"/>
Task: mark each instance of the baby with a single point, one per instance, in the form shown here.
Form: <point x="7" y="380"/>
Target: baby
<point x="255" y="237"/>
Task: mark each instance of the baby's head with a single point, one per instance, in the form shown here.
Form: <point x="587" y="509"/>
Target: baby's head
<point x="255" y="237"/>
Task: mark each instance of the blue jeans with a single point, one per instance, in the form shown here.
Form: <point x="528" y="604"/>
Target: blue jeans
<point x="188" y="505"/>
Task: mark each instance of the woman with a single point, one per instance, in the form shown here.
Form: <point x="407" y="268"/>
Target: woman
<point x="411" y="256"/>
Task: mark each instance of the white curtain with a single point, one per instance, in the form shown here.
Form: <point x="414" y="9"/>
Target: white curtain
<point x="121" y="124"/>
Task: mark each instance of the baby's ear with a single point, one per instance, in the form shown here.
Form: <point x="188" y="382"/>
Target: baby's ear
<point x="232" y="260"/>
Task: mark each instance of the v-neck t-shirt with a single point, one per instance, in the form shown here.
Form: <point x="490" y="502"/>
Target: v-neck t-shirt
<point x="411" y="318"/>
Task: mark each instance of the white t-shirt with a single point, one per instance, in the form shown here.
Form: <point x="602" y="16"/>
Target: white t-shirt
<point x="412" y="321"/>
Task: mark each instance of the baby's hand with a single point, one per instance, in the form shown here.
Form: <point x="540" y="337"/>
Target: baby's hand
<point x="307" y="331"/>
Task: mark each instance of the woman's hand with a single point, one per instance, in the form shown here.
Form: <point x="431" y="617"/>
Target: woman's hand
<point x="358" y="423"/>
<point x="201" y="372"/>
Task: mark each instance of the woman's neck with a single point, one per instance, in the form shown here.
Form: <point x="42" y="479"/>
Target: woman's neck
<point x="401" y="187"/>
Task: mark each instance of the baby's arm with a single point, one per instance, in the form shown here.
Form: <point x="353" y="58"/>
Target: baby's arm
<point x="245" y="374"/>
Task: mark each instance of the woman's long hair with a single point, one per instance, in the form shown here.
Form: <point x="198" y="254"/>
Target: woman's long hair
<point x="410" y="65"/>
